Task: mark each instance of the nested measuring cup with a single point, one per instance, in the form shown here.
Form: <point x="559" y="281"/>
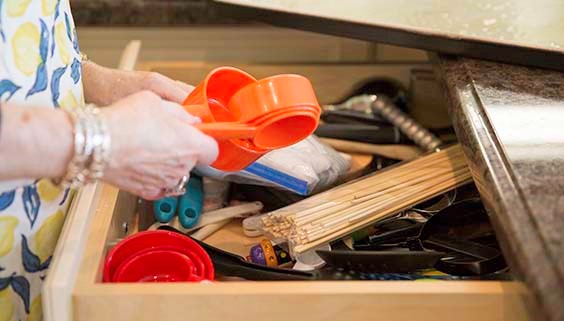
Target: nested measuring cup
<point x="250" y="117"/>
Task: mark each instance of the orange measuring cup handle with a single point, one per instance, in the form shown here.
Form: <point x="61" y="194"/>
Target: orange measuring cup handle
<point x="226" y="130"/>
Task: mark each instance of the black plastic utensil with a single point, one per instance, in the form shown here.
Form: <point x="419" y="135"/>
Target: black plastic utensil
<point x="372" y="134"/>
<point x="231" y="265"/>
<point x="382" y="261"/>
<point x="464" y="231"/>
<point x="351" y="117"/>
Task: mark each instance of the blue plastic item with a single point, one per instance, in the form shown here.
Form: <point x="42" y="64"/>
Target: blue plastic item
<point x="165" y="208"/>
<point x="190" y="204"/>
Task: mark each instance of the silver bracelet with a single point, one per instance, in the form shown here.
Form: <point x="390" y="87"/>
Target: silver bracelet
<point x="91" y="148"/>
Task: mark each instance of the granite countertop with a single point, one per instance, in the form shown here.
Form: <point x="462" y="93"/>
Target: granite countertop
<point x="509" y="121"/>
<point x="145" y="13"/>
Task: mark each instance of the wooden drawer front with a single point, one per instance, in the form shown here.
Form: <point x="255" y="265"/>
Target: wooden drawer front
<point x="323" y="300"/>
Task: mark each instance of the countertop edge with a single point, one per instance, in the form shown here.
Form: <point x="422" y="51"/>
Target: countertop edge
<point x="499" y="189"/>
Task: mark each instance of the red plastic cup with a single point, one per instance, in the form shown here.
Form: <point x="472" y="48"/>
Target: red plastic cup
<point x="156" y="266"/>
<point x="147" y="241"/>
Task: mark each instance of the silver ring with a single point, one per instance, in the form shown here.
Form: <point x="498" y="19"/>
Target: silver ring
<point x="179" y="189"/>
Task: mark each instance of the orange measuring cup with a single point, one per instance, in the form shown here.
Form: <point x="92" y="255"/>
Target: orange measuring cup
<point x="248" y="118"/>
<point x="274" y="112"/>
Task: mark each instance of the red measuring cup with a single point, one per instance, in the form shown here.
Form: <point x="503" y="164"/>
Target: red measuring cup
<point x="156" y="266"/>
<point x="250" y="117"/>
<point x="149" y="241"/>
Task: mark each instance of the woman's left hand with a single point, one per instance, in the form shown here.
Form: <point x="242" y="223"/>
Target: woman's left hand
<point x="104" y="86"/>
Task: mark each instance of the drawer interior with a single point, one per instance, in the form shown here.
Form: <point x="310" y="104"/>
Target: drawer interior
<point x="118" y="214"/>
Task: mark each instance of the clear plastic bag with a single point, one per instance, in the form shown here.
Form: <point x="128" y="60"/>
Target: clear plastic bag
<point x="304" y="168"/>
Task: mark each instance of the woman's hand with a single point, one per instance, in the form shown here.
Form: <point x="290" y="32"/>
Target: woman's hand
<point x="153" y="144"/>
<point x="104" y="86"/>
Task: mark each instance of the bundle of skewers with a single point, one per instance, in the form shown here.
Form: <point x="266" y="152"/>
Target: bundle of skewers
<point x="342" y="210"/>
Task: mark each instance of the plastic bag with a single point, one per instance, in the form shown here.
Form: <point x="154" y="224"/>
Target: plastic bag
<point x="303" y="168"/>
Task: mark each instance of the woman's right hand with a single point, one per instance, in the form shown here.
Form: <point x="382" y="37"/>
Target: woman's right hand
<point x="153" y="144"/>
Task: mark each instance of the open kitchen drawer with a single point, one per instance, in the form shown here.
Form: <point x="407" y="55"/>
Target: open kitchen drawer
<point x="101" y="214"/>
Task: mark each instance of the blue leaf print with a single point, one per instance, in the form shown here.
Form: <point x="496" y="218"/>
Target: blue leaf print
<point x="65" y="196"/>
<point x="31" y="261"/>
<point x="31" y="202"/>
<point x="53" y="42"/>
<point x="75" y="42"/>
<point x="40" y="83"/>
<point x="75" y="70"/>
<point x="57" y="10"/>
<point x="20" y="285"/>
<point x="7" y="86"/>
<point x="6" y="199"/>
<point x="55" y="82"/>
<point x="67" y="24"/>
<point x="53" y="27"/>
<point x="44" y="41"/>
<point x="4" y="282"/>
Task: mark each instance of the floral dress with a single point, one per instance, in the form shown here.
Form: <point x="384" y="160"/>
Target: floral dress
<point x="39" y="66"/>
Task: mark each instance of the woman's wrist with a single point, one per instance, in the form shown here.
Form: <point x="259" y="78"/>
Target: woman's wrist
<point x="91" y="148"/>
<point x="36" y="142"/>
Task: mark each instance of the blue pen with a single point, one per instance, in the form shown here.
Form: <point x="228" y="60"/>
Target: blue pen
<point x="190" y="204"/>
<point x="165" y="208"/>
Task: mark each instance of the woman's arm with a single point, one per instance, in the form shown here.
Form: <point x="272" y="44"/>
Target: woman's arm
<point x="104" y="86"/>
<point x="34" y="142"/>
<point x="153" y="144"/>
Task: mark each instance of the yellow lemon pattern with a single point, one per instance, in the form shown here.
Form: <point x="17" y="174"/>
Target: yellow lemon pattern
<point x="60" y="41"/>
<point x="47" y="191"/>
<point x="69" y="101"/>
<point x="6" y="305"/>
<point x="47" y="235"/>
<point x="17" y="8"/>
<point x="36" y="310"/>
<point x="41" y="67"/>
<point x="7" y="228"/>
<point x="48" y="7"/>
<point x="25" y="48"/>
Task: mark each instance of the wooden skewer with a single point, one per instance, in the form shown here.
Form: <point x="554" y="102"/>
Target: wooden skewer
<point x="369" y="207"/>
<point x="321" y="201"/>
<point x="340" y="232"/>
<point x="386" y="188"/>
<point x="403" y="152"/>
<point x="373" y="206"/>
<point x="371" y="194"/>
<point x="340" y="211"/>
<point x="376" y="204"/>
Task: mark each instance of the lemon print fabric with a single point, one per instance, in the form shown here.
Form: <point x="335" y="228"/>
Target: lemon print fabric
<point x="16" y="8"/>
<point x="69" y="101"/>
<point x="61" y="41"/>
<point x="36" y="310"/>
<point x="25" y="47"/>
<point x="46" y="237"/>
<point x="40" y="66"/>
<point x="6" y="305"/>
<point x="8" y="226"/>
<point x="47" y="190"/>
<point x="48" y="7"/>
